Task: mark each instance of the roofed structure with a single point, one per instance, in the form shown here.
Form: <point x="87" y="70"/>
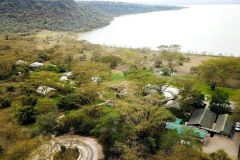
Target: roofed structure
<point x="210" y="121"/>
<point x="203" y="117"/>
<point x="223" y="124"/>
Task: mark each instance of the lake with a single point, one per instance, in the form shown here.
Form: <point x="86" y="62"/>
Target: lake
<point x="212" y="29"/>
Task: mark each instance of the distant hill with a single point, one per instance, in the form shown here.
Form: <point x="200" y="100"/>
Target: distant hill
<point x="120" y="8"/>
<point x="64" y="15"/>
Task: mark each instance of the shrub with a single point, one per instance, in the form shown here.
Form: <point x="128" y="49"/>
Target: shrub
<point x="69" y="102"/>
<point x="10" y="89"/>
<point x="47" y="123"/>
<point x="74" y="101"/>
<point x="66" y="89"/>
<point x="66" y="153"/>
<point x="77" y="122"/>
<point x="167" y="71"/>
<point x="27" y="90"/>
<point x="29" y="101"/>
<point x="22" y="149"/>
<point x="43" y="56"/>
<point x="157" y="63"/>
<point x="219" y="155"/>
<point x="51" y="68"/>
<point x="113" y="61"/>
<point x="1" y="150"/>
<point x="4" y="102"/>
<point x="26" y="115"/>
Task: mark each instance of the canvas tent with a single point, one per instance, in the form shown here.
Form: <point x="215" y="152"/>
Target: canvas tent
<point x="183" y="129"/>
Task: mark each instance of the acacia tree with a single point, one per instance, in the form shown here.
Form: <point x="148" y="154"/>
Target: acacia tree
<point x="196" y="100"/>
<point x="172" y="59"/>
<point x="220" y="103"/>
<point x="220" y="72"/>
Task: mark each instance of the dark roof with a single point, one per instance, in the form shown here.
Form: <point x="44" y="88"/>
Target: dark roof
<point x="207" y="120"/>
<point x="224" y="124"/>
<point x="203" y="117"/>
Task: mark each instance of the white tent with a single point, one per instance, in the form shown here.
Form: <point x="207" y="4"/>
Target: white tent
<point x="36" y="65"/>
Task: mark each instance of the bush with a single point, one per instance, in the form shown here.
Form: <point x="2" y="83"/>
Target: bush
<point x="51" y="68"/>
<point x="26" y="115"/>
<point x="158" y="63"/>
<point x="69" y="102"/>
<point x="113" y="61"/>
<point x="74" y="101"/>
<point x="4" y="102"/>
<point x="66" y="154"/>
<point x="29" y="101"/>
<point x="43" y="56"/>
<point x="27" y="90"/>
<point x="10" y="89"/>
<point x="66" y="89"/>
<point x="78" y="123"/>
<point x="47" y="123"/>
<point x="167" y="71"/>
<point x="219" y="155"/>
<point x="1" y="149"/>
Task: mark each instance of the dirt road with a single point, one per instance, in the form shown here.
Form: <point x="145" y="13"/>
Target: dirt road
<point x="89" y="148"/>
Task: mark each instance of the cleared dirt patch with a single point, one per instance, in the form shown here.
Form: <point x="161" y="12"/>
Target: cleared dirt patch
<point x="230" y="146"/>
<point x="195" y="60"/>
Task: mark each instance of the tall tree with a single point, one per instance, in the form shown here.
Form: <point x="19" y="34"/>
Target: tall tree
<point x="220" y="103"/>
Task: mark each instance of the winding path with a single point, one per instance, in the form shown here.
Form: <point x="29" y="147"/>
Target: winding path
<point x="89" y="148"/>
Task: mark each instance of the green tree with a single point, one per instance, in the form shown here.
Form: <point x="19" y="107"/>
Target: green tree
<point x="26" y="115"/>
<point x="220" y="72"/>
<point x="196" y="100"/>
<point x="220" y="103"/>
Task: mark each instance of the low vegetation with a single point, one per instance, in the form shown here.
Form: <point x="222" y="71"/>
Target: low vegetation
<point x="129" y="123"/>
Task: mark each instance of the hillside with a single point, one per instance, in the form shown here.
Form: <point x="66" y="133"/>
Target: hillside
<point x="120" y="8"/>
<point x="63" y="15"/>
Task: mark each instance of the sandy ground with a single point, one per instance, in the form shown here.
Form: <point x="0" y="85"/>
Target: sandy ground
<point x="89" y="148"/>
<point x="195" y="60"/>
<point x="231" y="146"/>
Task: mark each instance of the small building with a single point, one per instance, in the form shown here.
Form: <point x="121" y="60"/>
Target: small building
<point x="36" y="65"/>
<point x="211" y="122"/>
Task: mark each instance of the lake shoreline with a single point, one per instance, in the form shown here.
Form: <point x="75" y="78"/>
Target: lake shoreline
<point x="210" y="40"/>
